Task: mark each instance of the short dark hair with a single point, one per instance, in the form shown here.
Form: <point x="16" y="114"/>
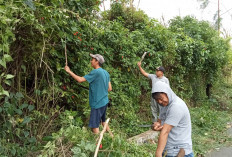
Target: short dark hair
<point x="157" y="95"/>
<point x="98" y="62"/>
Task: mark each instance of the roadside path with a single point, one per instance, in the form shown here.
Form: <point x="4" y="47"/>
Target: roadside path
<point x="224" y="151"/>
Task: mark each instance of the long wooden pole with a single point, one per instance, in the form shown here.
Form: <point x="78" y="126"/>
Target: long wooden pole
<point x="138" y="5"/>
<point x="144" y="54"/>
<point x="66" y="58"/>
<point x="218" y="18"/>
<point x="101" y="136"/>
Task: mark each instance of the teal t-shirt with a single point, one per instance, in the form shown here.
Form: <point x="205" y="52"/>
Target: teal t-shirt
<point x="98" y="87"/>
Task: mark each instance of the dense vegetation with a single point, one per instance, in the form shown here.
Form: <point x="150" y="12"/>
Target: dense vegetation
<point x="45" y="112"/>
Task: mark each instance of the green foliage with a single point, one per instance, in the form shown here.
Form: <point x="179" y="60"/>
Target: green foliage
<point x="86" y="146"/>
<point x="129" y="17"/>
<point x="206" y="49"/>
<point x="76" y="141"/>
<point x="201" y="54"/>
<point x="15" y="117"/>
<point x="69" y="139"/>
<point x="35" y="89"/>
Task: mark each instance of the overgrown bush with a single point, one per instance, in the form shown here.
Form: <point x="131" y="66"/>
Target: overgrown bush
<point x="35" y="91"/>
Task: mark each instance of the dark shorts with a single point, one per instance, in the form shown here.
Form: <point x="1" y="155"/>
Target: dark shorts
<point x="97" y="116"/>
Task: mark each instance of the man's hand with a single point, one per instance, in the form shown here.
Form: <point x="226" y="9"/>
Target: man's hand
<point x="141" y="69"/>
<point x="67" y="69"/>
<point x="158" y="154"/>
<point x="76" y="77"/>
<point x="157" y="126"/>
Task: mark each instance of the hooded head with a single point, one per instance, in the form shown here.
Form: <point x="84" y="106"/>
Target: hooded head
<point x="164" y="94"/>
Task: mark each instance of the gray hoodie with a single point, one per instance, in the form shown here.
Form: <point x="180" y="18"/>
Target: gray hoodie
<point x="176" y="113"/>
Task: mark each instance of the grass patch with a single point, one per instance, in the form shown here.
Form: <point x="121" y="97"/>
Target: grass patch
<point x="210" y="122"/>
<point x="209" y="129"/>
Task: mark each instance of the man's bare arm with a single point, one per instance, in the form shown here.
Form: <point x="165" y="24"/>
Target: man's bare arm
<point x="163" y="139"/>
<point x="76" y="77"/>
<point x="141" y="70"/>
<point x="110" y="87"/>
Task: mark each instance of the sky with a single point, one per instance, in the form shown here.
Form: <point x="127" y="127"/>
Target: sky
<point x="168" y="9"/>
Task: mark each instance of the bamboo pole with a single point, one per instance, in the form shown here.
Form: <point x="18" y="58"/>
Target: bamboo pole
<point x="42" y="52"/>
<point x="219" y="21"/>
<point x="138" y="5"/>
<point x="62" y="147"/>
<point x="103" y="5"/>
<point x="66" y="58"/>
<point x="101" y="136"/>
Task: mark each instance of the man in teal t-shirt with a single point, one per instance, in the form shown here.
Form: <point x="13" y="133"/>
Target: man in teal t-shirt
<point x="99" y="86"/>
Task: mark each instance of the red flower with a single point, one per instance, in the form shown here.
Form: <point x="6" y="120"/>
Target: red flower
<point x="74" y="34"/>
<point x="100" y="146"/>
<point x="91" y="48"/>
<point x="122" y="57"/>
<point x="79" y="38"/>
<point x="64" y="87"/>
<point x="73" y="96"/>
<point x="149" y="54"/>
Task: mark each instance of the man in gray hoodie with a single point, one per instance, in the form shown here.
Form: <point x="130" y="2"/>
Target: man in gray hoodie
<point x="174" y="122"/>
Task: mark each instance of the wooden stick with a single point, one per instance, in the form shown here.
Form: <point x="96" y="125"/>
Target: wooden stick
<point x="48" y="67"/>
<point x="66" y="59"/>
<point x="101" y="136"/>
<point x="144" y="54"/>
<point x="42" y="52"/>
<point x="62" y="147"/>
<point x="165" y="153"/>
